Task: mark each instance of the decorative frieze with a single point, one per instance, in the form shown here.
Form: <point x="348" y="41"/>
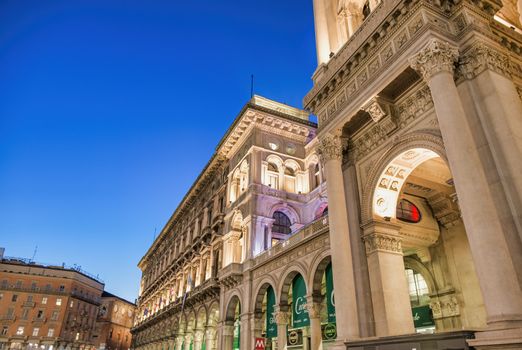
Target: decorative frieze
<point x="436" y="57"/>
<point x="281" y="317"/>
<point x="382" y="242"/>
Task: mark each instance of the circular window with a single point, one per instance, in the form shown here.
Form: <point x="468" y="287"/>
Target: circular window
<point x="273" y="145"/>
<point x="408" y="212"/>
<point x="290" y="148"/>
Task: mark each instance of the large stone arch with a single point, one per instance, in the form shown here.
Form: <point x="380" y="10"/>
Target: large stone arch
<point x="428" y="139"/>
<point x="288" y="210"/>
<point x="260" y="291"/>
<point x="318" y="267"/>
<point x="230" y="309"/>
<point x="414" y="264"/>
<point x="286" y="282"/>
<point x="201" y="317"/>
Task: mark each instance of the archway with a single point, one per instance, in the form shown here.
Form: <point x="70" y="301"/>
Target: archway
<point x="324" y="330"/>
<point x="293" y="301"/>
<point x="211" y="330"/>
<point x="415" y="214"/>
<point x="264" y="309"/>
<point x="232" y="328"/>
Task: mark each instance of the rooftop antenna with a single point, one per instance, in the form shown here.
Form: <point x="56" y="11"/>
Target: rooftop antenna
<point x="251" y="85"/>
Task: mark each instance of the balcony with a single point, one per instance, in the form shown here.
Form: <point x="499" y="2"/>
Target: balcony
<point x="231" y="275"/>
<point x="39" y="319"/>
<point x="9" y="318"/>
<point x="312" y="229"/>
<point x="29" y="304"/>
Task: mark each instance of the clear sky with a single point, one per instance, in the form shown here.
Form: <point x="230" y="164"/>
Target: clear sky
<point x="109" y="110"/>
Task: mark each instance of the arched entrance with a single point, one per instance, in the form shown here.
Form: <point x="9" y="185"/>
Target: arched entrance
<point x="264" y="310"/>
<point x="232" y="327"/>
<point x="414" y="243"/>
<point x="293" y="303"/>
<point x="323" y="322"/>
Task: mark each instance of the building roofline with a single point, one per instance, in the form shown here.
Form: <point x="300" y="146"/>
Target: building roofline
<point x="258" y="103"/>
<point x="106" y="294"/>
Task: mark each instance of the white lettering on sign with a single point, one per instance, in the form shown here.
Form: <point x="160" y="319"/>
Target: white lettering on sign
<point x="300" y="305"/>
<point x="416" y="317"/>
<point x="332" y="298"/>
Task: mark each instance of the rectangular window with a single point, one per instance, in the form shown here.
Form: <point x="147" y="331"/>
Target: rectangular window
<point x="25" y="312"/>
<point x="50" y="332"/>
<point x="1" y="296"/>
<point x="33" y="286"/>
<point x="20" y="330"/>
<point x="44" y="300"/>
<point x="18" y="284"/>
<point x="48" y="287"/>
<point x="14" y="298"/>
<point x="10" y="311"/>
<point x="30" y="298"/>
<point x="71" y="304"/>
<point x="77" y="336"/>
<point x="36" y="330"/>
<point x="54" y="315"/>
<point x="62" y="288"/>
<point x="4" y="330"/>
<point x="59" y="301"/>
<point x="40" y="314"/>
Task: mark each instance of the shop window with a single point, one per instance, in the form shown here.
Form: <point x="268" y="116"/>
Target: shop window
<point x="418" y="288"/>
<point x="408" y="212"/>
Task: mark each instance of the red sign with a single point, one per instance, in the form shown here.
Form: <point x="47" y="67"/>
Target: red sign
<point x="259" y="344"/>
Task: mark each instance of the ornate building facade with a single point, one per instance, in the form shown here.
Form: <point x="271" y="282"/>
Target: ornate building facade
<point x="406" y="197"/>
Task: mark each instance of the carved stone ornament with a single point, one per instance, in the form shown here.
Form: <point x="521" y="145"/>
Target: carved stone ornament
<point x="376" y="241"/>
<point x="437" y="56"/>
<point x="481" y="57"/>
<point x="330" y="148"/>
<point x="314" y="310"/>
<point x="281" y="317"/>
<point x="376" y="109"/>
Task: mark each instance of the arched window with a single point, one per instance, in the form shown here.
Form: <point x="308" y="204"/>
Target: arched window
<point x="281" y="223"/>
<point x="325" y="212"/>
<point x="290" y="182"/>
<point x="418" y="288"/>
<point x="408" y="212"/>
<point x="273" y="176"/>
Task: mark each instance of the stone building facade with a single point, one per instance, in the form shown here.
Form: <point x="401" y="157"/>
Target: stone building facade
<point x="407" y="197"/>
<point x="114" y="322"/>
<point x="46" y="307"/>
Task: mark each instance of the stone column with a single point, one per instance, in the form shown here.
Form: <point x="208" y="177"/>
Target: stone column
<point x="321" y="32"/>
<point x="228" y="337"/>
<point x="198" y="339"/>
<point x="389" y="288"/>
<point x="245" y="332"/>
<point x="495" y="269"/>
<point x="330" y="150"/>
<point x="314" y="312"/>
<point x="179" y="342"/>
<point x="188" y="340"/>
<point x="281" y="318"/>
<point x="499" y="110"/>
<point x="171" y="344"/>
<point x="210" y="338"/>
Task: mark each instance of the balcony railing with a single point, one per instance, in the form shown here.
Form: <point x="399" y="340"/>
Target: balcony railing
<point x="318" y="226"/>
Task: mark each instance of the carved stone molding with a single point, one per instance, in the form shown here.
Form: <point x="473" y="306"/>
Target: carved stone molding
<point x="447" y="306"/>
<point x="281" y="317"/>
<point x="383" y="242"/>
<point x="481" y="57"/>
<point x="379" y="108"/>
<point x="330" y="148"/>
<point x="437" y="56"/>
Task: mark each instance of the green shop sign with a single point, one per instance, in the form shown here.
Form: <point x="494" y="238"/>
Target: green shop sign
<point x="300" y="317"/>
<point x="271" y="324"/>
<point x="422" y="316"/>
<point x="330" y="297"/>
<point x="329" y="331"/>
<point x="237" y="332"/>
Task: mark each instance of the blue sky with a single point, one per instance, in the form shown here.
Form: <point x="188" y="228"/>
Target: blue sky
<point x="109" y="110"/>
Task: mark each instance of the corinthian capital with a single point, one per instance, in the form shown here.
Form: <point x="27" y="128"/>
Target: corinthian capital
<point x="281" y="317"/>
<point x="437" y="56"/>
<point x="481" y="57"/>
<point x="314" y="309"/>
<point x="330" y="148"/>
